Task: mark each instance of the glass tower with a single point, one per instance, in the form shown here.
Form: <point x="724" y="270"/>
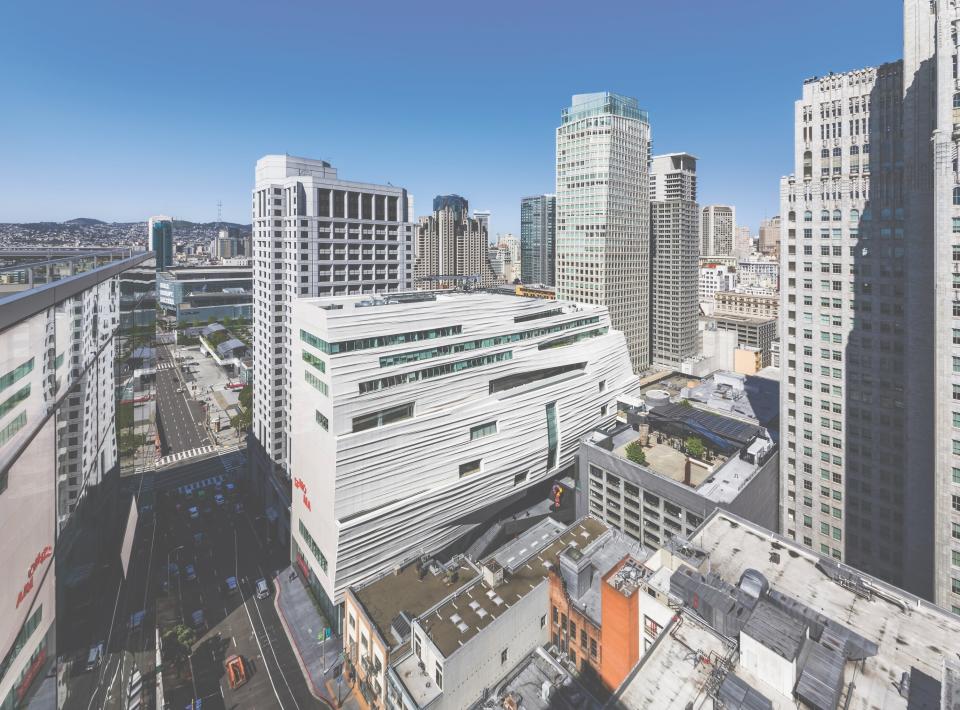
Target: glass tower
<point x="538" y="239"/>
<point x="603" y="238"/>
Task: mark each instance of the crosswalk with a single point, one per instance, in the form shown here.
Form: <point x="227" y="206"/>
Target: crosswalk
<point x="165" y="365"/>
<point x="184" y="455"/>
<point x="205" y="483"/>
<point x="233" y="462"/>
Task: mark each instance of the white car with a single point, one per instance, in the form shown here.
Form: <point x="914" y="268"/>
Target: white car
<point x="219" y="499"/>
<point x="263" y="589"/>
<point x="194" y="512"/>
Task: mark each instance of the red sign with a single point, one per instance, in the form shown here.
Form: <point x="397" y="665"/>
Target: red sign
<point x="299" y="484"/>
<point x="31" y="673"/>
<point x="45" y="554"/>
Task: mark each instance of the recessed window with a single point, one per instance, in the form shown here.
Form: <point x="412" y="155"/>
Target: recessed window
<point x="520" y="478"/>
<point x="481" y="430"/>
<point x="470" y="468"/>
<point x="503" y="656"/>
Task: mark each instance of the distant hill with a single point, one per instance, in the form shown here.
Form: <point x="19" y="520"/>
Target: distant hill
<point x="84" y="221"/>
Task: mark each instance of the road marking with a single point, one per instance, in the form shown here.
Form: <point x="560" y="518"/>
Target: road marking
<point x="236" y="559"/>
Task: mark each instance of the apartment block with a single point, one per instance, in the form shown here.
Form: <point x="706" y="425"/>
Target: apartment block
<point x="452" y="247"/>
<point x="747" y="304"/>
<point x="314" y="234"/>
<point x="769" y="242"/>
<point x="674" y="236"/>
<point x="717" y="230"/>
<point x="416" y="416"/>
<point x="603" y="215"/>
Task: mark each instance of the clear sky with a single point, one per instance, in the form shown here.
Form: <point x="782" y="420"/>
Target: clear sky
<point x="119" y="110"/>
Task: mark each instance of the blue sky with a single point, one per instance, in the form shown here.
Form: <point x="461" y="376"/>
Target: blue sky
<point x="124" y="109"/>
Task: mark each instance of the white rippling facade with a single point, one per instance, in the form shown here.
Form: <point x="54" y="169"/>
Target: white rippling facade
<point x="416" y="420"/>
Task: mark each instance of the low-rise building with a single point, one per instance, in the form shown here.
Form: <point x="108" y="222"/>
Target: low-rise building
<point x="765" y="622"/>
<point x="762" y="272"/>
<point x="201" y="294"/>
<point x="713" y="278"/>
<point x="753" y="331"/>
<point x="647" y="477"/>
<point x="739" y="303"/>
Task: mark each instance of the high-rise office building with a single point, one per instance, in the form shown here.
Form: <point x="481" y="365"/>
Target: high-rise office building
<point x="717" y="230"/>
<point x="452" y="247"/>
<point x="228" y="244"/>
<point x="854" y="485"/>
<point x="769" y="243"/>
<point x="160" y="240"/>
<point x="603" y="213"/>
<point x="314" y="234"/>
<point x="674" y="247"/>
<point x="415" y="420"/>
<point x="538" y="239"/>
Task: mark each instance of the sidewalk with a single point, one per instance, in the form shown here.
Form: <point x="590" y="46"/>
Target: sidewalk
<point x="303" y="622"/>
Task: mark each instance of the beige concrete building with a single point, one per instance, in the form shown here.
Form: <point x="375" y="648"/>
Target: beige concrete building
<point x="747" y="304"/>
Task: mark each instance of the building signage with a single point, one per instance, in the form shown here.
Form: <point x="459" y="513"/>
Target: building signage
<point x="45" y="554"/>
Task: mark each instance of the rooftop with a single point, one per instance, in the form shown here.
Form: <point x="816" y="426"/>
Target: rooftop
<point x="474" y="606"/>
<point x="752" y="397"/>
<point x="744" y="319"/>
<point x="405" y="592"/>
<point x="860" y="637"/>
<point x="542" y="684"/>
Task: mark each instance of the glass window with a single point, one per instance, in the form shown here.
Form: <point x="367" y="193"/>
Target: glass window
<point x="481" y="430"/>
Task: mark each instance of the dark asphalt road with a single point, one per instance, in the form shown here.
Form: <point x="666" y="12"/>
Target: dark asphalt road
<point x="180" y="417"/>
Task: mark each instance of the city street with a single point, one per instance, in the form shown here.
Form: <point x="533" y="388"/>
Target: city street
<point x="181" y="418"/>
<point x="201" y="536"/>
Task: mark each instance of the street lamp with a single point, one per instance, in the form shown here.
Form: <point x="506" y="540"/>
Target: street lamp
<point x="180" y="547"/>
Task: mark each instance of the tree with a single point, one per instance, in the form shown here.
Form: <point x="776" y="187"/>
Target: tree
<point x="177" y="643"/>
<point x="695" y="448"/>
<point x="636" y="453"/>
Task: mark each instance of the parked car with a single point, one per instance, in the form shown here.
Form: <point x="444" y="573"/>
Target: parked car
<point x="194" y="512"/>
<point x="173" y="569"/>
<point x="230" y="585"/>
<point x="197" y="619"/>
<point x="263" y="589"/>
<point x="136" y="620"/>
<point x="191" y="573"/>
<point x="219" y="499"/>
<point x="238" y="508"/>
<point x="198" y="539"/>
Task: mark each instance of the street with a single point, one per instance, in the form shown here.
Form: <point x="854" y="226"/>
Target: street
<point x="202" y="536"/>
<point x="181" y="418"/>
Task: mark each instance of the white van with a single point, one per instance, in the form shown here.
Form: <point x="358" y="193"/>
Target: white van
<point x="95" y="656"/>
<point x="263" y="590"/>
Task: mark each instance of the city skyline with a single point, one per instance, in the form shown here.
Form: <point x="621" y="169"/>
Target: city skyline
<point x="180" y="126"/>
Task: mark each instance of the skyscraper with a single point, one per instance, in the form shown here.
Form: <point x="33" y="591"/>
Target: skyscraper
<point x="931" y="130"/>
<point x="452" y="247"/>
<point x="313" y="235"/>
<point x="855" y="485"/>
<point x="538" y="239"/>
<point x="603" y="212"/>
<point x="674" y="247"/>
<point x="717" y="230"/>
<point x="160" y="240"/>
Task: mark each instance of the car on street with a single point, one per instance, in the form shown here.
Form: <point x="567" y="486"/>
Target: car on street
<point x="173" y="569"/>
<point x="230" y="585"/>
<point x="197" y="619"/>
<point x="95" y="656"/>
<point x="194" y="512"/>
<point x="191" y="573"/>
<point x="263" y="590"/>
<point x="136" y="620"/>
<point x="198" y="539"/>
<point x="238" y="508"/>
<point x="230" y="488"/>
<point x="219" y="499"/>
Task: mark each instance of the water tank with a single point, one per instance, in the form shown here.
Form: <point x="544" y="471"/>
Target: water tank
<point x="656" y="398"/>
